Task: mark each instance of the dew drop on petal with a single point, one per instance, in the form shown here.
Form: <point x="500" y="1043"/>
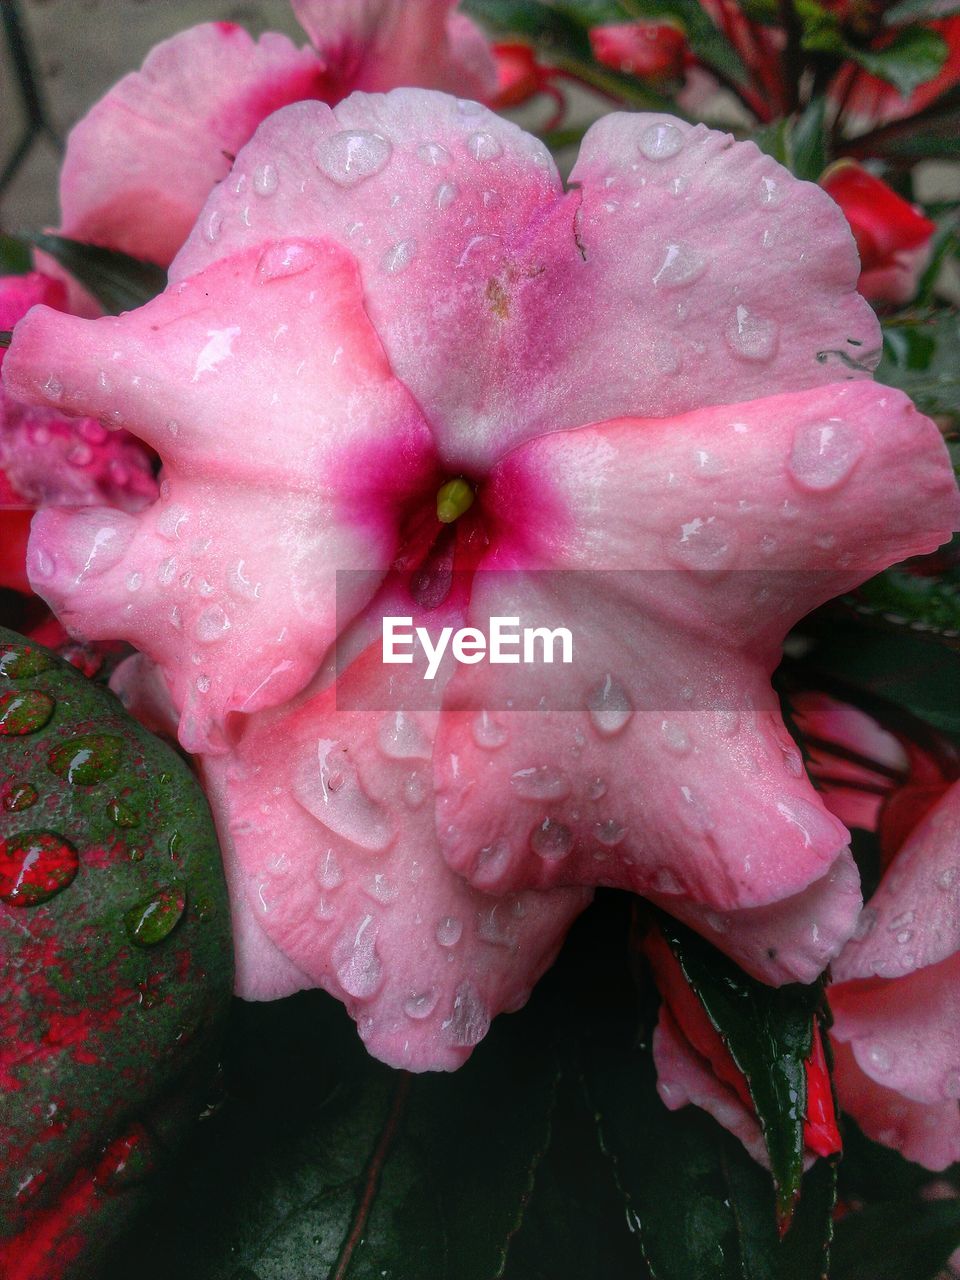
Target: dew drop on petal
<point x="484" y="146"/>
<point x="675" y="739"/>
<point x="753" y="337"/>
<point x="24" y="712"/>
<point x="265" y="179"/>
<point x="154" y="919"/>
<point x="399" y="256"/>
<point x="540" y="783"/>
<point x="34" y="866"/>
<point x="551" y="840"/>
<point x="449" y="931"/>
<point x="401" y="737"/>
<point x="469" y="1020"/>
<point x="681" y="265"/>
<point x="212" y="624"/>
<point x="421" y="1004"/>
<point x="609" y="706"/>
<point x="329" y="873"/>
<point x="431" y="153"/>
<point x="358" y="965"/>
<point x="610" y="833"/>
<point x="823" y="455"/>
<point x="661" y="141"/>
<point x="351" y="156"/>
<point x="445" y="195"/>
<point x="328" y="786"/>
<point x="488" y="733"/>
<point x="866" y="922"/>
<point x="288" y="258"/>
<point x="212" y="225"/>
<point x="706" y="544"/>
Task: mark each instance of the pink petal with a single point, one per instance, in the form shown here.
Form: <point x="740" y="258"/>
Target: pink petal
<point x="684" y="1078"/>
<point x="288" y="447"/>
<point x="19" y="293"/>
<point x="905" y="1032"/>
<point x="376" y="45"/>
<point x="143" y="160"/>
<point x="355" y="895"/>
<point x="675" y="772"/>
<point x="913" y="919"/>
<point x="928" y="1133"/>
<point x="626" y="295"/>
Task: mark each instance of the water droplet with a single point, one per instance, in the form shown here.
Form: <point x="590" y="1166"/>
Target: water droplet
<point x="878" y="1056"/>
<point x="681" y="265"/>
<point x="421" y="1004"/>
<point x="20" y="662"/>
<point x="351" y="156"/>
<point x="489" y="734"/>
<point x="901" y="920"/>
<point x="694" y="812"/>
<point x="597" y="789"/>
<point x="212" y="624"/>
<point x="202" y="684"/>
<point x="53" y="388"/>
<point x="664" y="881"/>
<point x="445" y="194"/>
<point x="19" y="797"/>
<point x="358" y="965"/>
<point x="610" y="833"/>
<point x="329" y="872"/>
<point x="769" y="191"/>
<point x="265" y="179"/>
<point x="792" y="760"/>
<point x="415" y="791"/>
<point x="753" y="337"/>
<point x="675" y="739"/>
<point x="289" y="258"/>
<point x="449" y="931"/>
<point x="329" y="787"/>
<point x="433" y="154"/>
<point x="401" y="737"/>
<point x="609" y="706"/>
<point x="484" y="146"/>
<point x="948" y="878"/>
<point x="823" y="455"/>
<point x="212" y="226"/>
<point x="816" y="826"/>
<point x="540" y="783"/>
<point x="122" y="814"/>
<point x="399" y="256"/>
<point x="24" y="712"/>
<point x="126" y="1162"/>
<point x="382" y="889"/>
<point x="708" y="544"/>
<point x="155" y="918"/>
<point x="469" y="1021"/>
<point x="87" y="759"/>
<point x="661" y="141"/>
<point x="34" y="866"/>
<point x="551" y="840"/>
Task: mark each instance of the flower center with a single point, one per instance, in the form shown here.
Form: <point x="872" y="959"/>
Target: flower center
<point x="453" y="499"/>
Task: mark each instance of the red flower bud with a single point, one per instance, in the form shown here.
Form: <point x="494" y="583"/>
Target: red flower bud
<point x="648" y="50"/>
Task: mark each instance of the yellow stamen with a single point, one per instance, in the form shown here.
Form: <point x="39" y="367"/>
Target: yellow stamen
<point x="453" y="499"/>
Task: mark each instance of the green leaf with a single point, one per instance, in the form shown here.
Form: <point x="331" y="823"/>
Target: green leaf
<point x="910" y="600"/>
<point x="117" y="281"/>
<point x="921" y="356"/>
<point x="115" y="1034"/>
<point x="932" y="133"/>
<point x="14" y="257"/>
<point x="797" y="142"/>
<point x="913" y="58"/>
<point x="769" y="1032"/>
<point x="6" y="337"/>
<point x="901" y="1240"/>
<point x="703" y="1208"/>
<point x="329" y="1164"/>
<point x="920" y="11"/>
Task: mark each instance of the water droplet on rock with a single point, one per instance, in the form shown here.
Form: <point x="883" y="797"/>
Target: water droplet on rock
<point x="155" y="918"/>
<point x="87" y="759"/>
<point x="24" y="712"/>
<point x="34" y="866"/>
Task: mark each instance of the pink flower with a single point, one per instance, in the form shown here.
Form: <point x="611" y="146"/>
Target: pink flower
<point x="654" y="51"/>
<point x="896" y="998"/>
<point x="47" y="459"/>
<point x="141" y="163"/>
<point x="893" y="237"/>
<point x="653" y="385"/>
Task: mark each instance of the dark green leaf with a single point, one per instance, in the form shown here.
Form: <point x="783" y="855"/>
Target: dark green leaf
<point x="6" y="337"/>
<point x="117" y="281"/>
<point x="910" y="600"/>
<point x="326" y="1163"/>
<point x="702" y="1206"/>
<point x="905" y="1240"/>
<point x="769" y="1034"/>
<point x="921" y="356"/>
<point x="799" y="142"/>
<point x="14" y="257"/>
<point x="913" y="58"/>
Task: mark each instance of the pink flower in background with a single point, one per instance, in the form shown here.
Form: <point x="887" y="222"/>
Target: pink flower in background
<point x="896" y="998"/>
<point x="652" y="390"/>
<point x="141" y="163"/>
<point x="893" y="237"/>
<point x="47" y="459"/>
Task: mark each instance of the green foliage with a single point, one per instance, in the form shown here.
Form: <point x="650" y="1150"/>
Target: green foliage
<point x="117" y="281"/>
<point x="912" y="58"/>
<point x="798" y="142"/>
<point x="14" y="257"/>
<point x="921" y="356"/>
